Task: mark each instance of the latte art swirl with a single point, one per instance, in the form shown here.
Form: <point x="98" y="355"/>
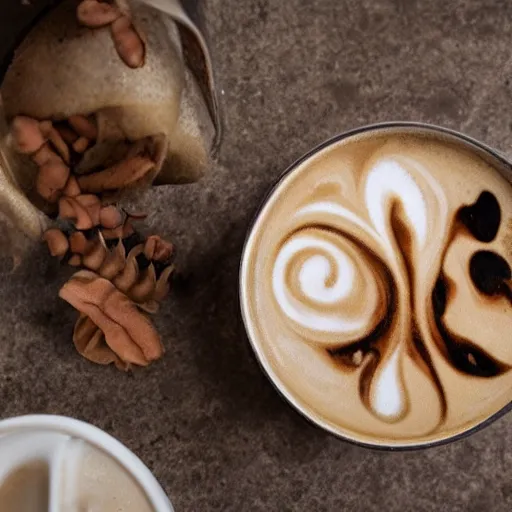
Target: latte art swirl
<point x="369" y="266"/>
<point x="343" y="295"/>
<point x="325" y="286"/>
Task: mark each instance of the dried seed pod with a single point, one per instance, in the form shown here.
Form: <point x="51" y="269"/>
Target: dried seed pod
<point x="110" y="217"/>
<point x="44" y="155"/>
<point x="95" y="255"/>
<point x="92" y="204"/>
<point x="128" y="42"/>
<point x="144" y="288"/>
<point x="57" y="242"/>
<point x="123" y="312"/>
<point x="93" y="13"/>
<point x="162" y="285"/>
<point x="27" y="134"/>
<point x="128" y="332"/>
<point x="90" y="342"/>
<point x="114" y="262"/>
<point x="75" y="260"/>
<point x="81" y="144"/>
<point x="118" y="176"/>
<point x="158" y="249"/>
<point x="51" y="179"/>
<point x="78" y="243"/>
<point x="71" y="209"/>
<point x="112" y="234"/>
<point x="130" y="273"/>
<point x="150" y="306"/>
<point x="71" y="189"/>
<point x="68" y="135"/>
<point x="55" y="138"/>
<point x="84" y="127"/>
<point x="45" y="126"/>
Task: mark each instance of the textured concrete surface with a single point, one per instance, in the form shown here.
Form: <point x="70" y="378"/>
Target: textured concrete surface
<point x="205" y="419"/>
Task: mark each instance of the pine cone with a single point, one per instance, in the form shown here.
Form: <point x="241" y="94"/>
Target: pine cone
<point x="122" y="270"/>
<point x="114" y="297"/>
<point x="86" y="164"/>
<point x="111" y="328"/>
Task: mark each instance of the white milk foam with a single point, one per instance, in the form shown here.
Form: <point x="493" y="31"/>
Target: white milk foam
<point x="388" y="178"/>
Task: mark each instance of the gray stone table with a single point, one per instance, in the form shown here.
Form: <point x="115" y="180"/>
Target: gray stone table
<point x="205" y="419"/>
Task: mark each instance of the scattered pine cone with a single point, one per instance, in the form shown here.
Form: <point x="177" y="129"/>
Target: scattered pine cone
<point x="127" y="39"/>
<point x="124" y="277"/>
<point x="139" y="277"/>
<point x="111" y="329"/>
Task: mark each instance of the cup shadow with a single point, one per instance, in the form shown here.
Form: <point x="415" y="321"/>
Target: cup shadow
<point x="226" y="361"/>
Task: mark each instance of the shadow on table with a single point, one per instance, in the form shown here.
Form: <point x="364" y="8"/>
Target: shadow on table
<point x="226" y="361"/>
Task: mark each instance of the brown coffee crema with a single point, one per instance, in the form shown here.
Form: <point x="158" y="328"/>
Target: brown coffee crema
<point x="376" y="287"/>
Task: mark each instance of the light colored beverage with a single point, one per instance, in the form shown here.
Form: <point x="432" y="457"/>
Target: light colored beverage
<point x="376" y="286"/>
<point x="68" y="466"/>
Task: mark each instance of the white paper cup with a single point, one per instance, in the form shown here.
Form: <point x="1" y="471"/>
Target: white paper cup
<point x="35" y="427"/>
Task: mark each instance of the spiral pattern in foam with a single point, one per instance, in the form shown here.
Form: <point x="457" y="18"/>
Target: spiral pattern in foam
<point x="325" y="286"/>
<point x="330" y="286"/>
<point x="358" y="277"/>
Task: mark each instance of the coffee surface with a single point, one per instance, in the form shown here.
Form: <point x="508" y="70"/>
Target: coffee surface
<point x="51" y="472"/>
<point x="26" y="488"/>
<point x="376" y="287"/>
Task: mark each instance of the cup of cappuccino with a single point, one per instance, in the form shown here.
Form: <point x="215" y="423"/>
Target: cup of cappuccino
<point x="58" y="464"/>
<point x="376" y="288"/>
